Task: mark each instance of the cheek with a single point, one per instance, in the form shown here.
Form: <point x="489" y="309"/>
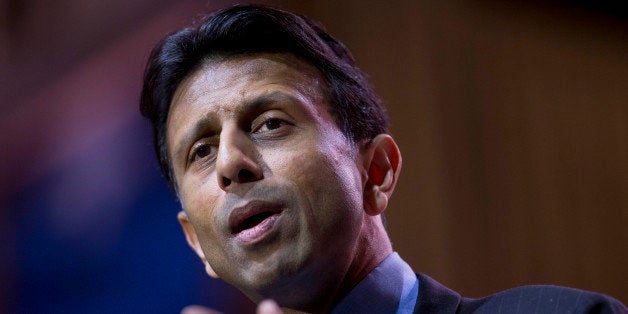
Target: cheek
<point x="330" y="184"/>
<point x="197" y="191"/>
<point x="199" y="199"/>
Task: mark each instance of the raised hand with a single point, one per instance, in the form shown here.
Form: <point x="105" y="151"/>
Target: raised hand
<point x="264" y="307"/>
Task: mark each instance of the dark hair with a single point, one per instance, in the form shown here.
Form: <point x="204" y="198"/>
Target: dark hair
<point x="259" y="29"/>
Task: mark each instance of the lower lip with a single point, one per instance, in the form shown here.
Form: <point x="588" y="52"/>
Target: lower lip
<point x="255" y="234"/>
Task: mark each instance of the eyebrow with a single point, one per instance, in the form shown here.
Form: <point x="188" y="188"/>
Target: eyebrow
<point x="250" y="107"/>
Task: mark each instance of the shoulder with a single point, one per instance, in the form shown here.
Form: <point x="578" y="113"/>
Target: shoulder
<point x="544" y="299"/>
<point x="436" y="298"/>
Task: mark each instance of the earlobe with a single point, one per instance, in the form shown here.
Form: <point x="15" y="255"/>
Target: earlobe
<point x="192" y="239"/>
<point x="383" y="161"/>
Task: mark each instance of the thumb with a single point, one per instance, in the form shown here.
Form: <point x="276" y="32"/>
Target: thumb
<point x="268" y="307"/>
<point x="198" y="309"/>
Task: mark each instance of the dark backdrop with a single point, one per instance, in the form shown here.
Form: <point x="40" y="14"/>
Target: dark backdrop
<point x="512" y="118"/>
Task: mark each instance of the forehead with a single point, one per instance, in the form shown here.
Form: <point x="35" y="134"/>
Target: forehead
<point x="242" y="76"/>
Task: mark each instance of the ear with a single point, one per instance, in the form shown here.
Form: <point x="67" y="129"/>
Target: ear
<point x="382" y="158"/>
<point x="190" y="236"/>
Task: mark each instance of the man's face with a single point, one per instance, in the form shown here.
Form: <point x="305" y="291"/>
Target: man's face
<point x="271" y="186"/>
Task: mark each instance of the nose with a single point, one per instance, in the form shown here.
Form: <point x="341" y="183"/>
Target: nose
<point x="236" y="161"/>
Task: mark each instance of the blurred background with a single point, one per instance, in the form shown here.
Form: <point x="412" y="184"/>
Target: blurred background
<point x="512" y="117"/>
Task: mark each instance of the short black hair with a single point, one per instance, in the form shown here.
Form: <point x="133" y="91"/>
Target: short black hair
<point x="250" y="29"/>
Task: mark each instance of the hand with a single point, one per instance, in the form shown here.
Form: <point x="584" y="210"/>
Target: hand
<point x="198" y="309"/>
<point x="264" y="307"/>
<point x="268" y="306"/>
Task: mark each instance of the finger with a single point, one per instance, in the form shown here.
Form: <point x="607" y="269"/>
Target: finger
<point x="198" y="309"/>
<point x="268" y="307"/>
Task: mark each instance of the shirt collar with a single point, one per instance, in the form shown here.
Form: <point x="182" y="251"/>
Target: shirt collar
<point x="392" y="287"/>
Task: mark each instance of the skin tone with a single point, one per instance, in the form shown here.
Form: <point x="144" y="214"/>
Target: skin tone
<point x="276" y="200"/>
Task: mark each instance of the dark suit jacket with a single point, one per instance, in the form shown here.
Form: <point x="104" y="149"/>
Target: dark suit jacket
<point x="436" y="298"/>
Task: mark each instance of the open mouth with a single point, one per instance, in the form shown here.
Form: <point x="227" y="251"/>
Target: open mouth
<point x="254" y="221"/>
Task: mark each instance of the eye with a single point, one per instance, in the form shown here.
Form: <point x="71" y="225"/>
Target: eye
<point x="269" y="125"/>
<point x="202" y="151"/>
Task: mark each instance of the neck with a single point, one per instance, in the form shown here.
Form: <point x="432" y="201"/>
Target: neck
<point x="372" y="248"/>
<point x="322" y="287"/>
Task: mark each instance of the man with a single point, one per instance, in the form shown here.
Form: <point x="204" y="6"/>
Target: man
<point x="277" y="148"/>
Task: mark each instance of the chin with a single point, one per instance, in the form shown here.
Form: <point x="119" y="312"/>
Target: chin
<point x="281" y="276"/>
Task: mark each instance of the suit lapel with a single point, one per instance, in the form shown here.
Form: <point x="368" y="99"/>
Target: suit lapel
<point x="435" y="298"/>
